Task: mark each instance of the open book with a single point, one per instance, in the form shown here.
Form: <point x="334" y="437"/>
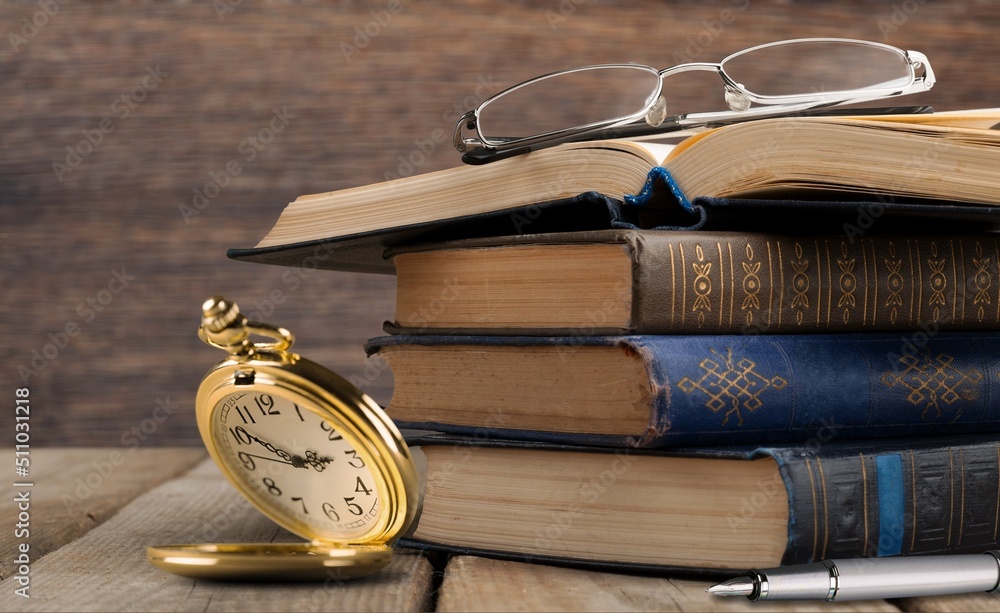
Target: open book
<point x="945" y="156"/>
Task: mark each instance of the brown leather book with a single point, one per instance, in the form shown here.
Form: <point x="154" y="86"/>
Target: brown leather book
<point x="661" y="282"/>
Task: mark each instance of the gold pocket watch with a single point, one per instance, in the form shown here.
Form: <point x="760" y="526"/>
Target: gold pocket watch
<point x="307" y="448"/>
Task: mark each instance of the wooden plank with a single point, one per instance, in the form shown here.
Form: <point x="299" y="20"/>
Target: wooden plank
<point x="75" y="490"/>
<point x="107" y="570"/>
<point x="480" y="584"/>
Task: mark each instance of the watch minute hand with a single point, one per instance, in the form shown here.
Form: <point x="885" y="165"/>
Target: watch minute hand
<point x="296" y="461"/>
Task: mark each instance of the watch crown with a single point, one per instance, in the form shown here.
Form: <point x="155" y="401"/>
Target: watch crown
<point x="222" y="324"/>
<point x="218" y="313"/>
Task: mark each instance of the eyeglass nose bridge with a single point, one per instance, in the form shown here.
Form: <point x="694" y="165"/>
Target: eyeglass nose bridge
<point x="691" y="66"/>
<point x="734" y="92"/>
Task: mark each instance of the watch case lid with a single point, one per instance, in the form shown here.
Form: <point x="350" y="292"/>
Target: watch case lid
<point x="270" y="561"/>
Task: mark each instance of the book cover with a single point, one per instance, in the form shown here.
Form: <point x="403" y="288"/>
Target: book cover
<point x="653" y="208"/>
<point x="659" y="391"/>
<point x="669" y="282"/>
<point x="634" y="509"/>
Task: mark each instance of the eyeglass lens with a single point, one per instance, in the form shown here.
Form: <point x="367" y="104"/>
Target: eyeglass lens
<point x="567" y="100"/>
<point x="807" y="67"/>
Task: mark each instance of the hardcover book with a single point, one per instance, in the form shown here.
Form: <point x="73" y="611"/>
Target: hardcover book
<point x="658" y="391"/>
<point x="710" y="508"/>
<point x="665" y="282"/>
<point x="948" y="157"/>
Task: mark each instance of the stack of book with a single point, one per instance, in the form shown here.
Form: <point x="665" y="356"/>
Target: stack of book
<point x="777" y="342"/>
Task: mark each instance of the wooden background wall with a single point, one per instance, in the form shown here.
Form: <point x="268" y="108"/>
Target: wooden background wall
<point x="179" y="87"/>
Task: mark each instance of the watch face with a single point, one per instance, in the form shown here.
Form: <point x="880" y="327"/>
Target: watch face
<point x="295" y="466"/>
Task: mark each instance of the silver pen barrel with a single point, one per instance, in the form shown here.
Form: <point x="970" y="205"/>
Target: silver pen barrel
<point x="878" y="578"/>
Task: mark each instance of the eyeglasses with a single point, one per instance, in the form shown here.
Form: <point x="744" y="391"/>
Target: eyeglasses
<point x="626" y="100"/>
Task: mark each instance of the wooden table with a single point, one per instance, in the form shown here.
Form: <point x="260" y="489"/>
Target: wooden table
<point x="93" y="512"/>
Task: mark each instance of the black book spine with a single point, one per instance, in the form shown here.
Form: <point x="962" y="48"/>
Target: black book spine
<point x="931" y="498"/>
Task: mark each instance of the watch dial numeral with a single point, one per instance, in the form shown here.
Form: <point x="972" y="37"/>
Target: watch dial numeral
<point x="334" y="435"/>
<point x="355" y="458"/>
<point x="266" y="405"/>
<point x="241" y="435"/>
<point x="300" y="500"/>
<point x="360" y="487"/>
<point x="247" y="460"/>
<point x="353" y="507"/>
<point x="245" y="415"/>
<point x="272" y="487"/>
<point x="330" y="511"/>
<point x="298" y="412"/>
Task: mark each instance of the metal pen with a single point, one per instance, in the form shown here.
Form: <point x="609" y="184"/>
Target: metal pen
<point x="869" y="578"/>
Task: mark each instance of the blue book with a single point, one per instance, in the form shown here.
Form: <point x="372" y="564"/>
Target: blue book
<point x="662" y="391"/>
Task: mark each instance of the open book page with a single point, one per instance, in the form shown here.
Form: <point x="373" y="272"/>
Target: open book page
<point x="650" y="152"/>
<point x="984" y="119"/>
<point x="540" y="176"/>
<point x="902" y="156"/>
<point x="975" y="119"/>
